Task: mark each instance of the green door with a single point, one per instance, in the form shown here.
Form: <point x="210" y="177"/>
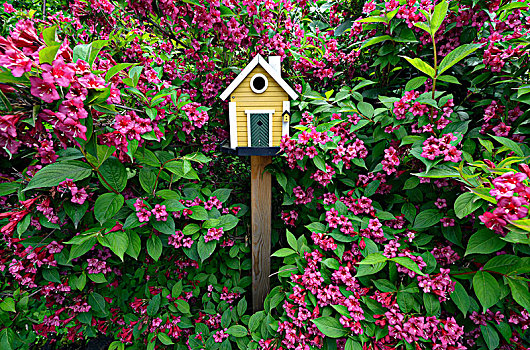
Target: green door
<point x="259" y="129"/>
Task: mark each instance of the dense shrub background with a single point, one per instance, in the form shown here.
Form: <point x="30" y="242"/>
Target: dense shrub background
<point x="403" y="191"/>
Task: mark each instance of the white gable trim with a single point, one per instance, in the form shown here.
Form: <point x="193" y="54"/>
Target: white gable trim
<point x="268" y="68"/>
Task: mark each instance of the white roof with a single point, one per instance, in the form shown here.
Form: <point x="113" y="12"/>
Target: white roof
<point x="268" y="68"/>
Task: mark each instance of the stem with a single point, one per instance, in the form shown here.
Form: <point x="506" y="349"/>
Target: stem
<point x="98" y="172"/>
<point x="160" y="170"/>
<point x="435" y="66"/>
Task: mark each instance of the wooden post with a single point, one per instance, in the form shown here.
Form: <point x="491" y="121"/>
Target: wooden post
<point x="261" y="229"/>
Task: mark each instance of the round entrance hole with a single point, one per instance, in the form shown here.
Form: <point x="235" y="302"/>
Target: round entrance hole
<point x="259" y="83"/>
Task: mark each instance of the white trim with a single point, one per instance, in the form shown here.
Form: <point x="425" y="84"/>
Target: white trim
<point x="268" y="68"/>
<point x="285" y="125"/>
<point x="259" y="75"/>
<point x="270" y="112"/>
<point x="232" y="115"/>
<point x="270" y="128"/>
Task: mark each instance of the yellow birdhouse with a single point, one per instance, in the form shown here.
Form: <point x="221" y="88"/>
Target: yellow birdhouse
<point x="259" y="108"/>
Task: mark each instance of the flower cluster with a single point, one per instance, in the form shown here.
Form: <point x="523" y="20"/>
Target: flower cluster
<point x="513" y="198"/>
<point x="442" y="146"/>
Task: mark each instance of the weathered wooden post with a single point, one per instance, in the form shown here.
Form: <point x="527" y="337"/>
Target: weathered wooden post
<point x="261" y="228"/>
<point x="259" y="115"/>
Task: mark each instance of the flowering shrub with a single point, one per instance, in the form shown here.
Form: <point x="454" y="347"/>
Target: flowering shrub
<point x="404" y="185"/>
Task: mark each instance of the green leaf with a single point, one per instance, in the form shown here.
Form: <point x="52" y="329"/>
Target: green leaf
<point x="114" y="173"/>
<point x="330" y="327"/>
<point x="256" y="320"/>
<point x="409" y="211"/>
<point x="438" y="16"/>
<point x="385" y="286"/>
<point x="432" y="304"/>
<point x="484" y="241"/>
<point x="491" y="337"/>
<point x="291" y="240"/>
<point x="466" y="203"/>
<point x="183" y="306"/>
<point x="154" y="247"/>
<point x="97" y="302"/>
<point x="520" y="292"/>
<point x="48" y="34"/>
<point x="135" y="245"/>
<point x="242" y="307"/>
<point x="116" y="69"/>
<point x="51" y="275"/>
<point x="486" y="288"/>
<point x="421" y="65"/>
<point x="164" y="338"/>
<point x="54" y="174"/>
<point x="23" y="225"/>
<point x="118" y="242"/>
<point x="82" y="52"/>
<point x="283" y="252"/>
<point x="47" y="55"/>
<point x="449" y="79"/>
<point x="107" y="205"/>
<point x="319" y="162"/>
<point x="198" y="213"/>
<point x="222" y="194"/>
<point x="7" y="339"/>
<point x="373" y="19"/>
<point x="205" y="249"/>
<point x="147" y="179"/>
<point x="166" y="227"/>
<point x="461" y="298"/>
<point x="237" y="331"/>
<point x="504" y="263"/>
<point x="408" y="263"/>
<point x="509" y="144"/>
<point x="412" y="182"/>
<point x="8" y="188"/>
<point x="415" y="83"/>
<point x="75" y="211"/>
<point x="376" y="40"/>
<point x="371" y="188"/>
<point x="374" y="258"/>
<point x="427" y="218"/>
<point x="423" y="26"/>
<point x="456" y="56"/>
<point x="226" y="11"/>
<point x="154" y="305"/>
<point x="8" y="305"/>
<point x="317" y="227"/>
<point x="177" y="289"/>
<point x="80" y="249"/>
<point x="366" y="109"/>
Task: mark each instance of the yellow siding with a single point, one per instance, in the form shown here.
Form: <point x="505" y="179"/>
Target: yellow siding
<point x="246" y="99"/>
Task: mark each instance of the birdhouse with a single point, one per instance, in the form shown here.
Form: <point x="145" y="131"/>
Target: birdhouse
<point x="259" y="108"/>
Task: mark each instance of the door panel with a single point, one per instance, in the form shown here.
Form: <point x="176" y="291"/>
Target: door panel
<point x="259" y="129"/>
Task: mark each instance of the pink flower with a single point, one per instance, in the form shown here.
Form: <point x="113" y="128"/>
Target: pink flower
<point x="61" y="72"/>
<point x="8" y="8"/>
<point x="213" y="234"/>
<point x="160" y="212"/>
<point x="79" y="196"/>
<point x="16" y="61"/>
<point x="44" y="89"/>
<point x="143" y="215"/>
<point x="91" y="81"/>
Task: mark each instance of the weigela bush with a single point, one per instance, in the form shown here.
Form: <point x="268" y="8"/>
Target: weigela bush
<point x="404" y="185"/>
